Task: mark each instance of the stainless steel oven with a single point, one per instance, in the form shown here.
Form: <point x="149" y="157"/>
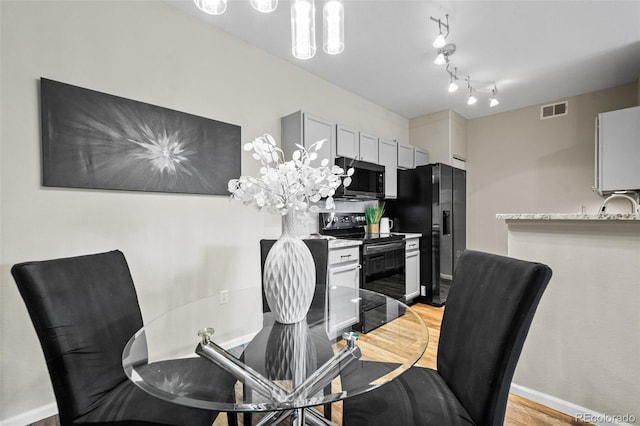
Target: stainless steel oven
<point x="383" y="268"/>
<point x="382" y="257"/>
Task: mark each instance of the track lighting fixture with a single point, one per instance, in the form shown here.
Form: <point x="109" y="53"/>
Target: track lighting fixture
<point x="440" y="40"/>
<point x="444" y="52"/>
<point x="494" y="100"/>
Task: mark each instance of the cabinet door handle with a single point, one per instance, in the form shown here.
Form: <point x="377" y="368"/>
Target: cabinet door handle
<point x="345" y="256"/>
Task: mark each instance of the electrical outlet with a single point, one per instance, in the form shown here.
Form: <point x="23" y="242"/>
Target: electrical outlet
<point x="224" y="297"/>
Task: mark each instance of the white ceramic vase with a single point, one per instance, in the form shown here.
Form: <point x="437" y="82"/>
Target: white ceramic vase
<point x="289" y="275"/>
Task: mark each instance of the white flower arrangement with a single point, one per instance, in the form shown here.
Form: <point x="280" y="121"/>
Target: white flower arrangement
<point x="293" y="185"/>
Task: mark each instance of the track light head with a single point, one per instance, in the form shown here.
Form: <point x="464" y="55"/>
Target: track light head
<point x="472" y="99"/>
<point x="494" y="101"/>
<point x="453" y="76"/>
<point x="440" y="40"/>
<point x="444" y="53"/>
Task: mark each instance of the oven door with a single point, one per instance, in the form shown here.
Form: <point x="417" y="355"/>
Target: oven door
<point x="383" y="268"/>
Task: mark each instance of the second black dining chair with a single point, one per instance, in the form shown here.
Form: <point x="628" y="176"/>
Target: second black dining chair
<point x="319" y="249"/>
<point x="316" y="339"/>
<point x="84" y="310"/>
<point x="486" y="320"/>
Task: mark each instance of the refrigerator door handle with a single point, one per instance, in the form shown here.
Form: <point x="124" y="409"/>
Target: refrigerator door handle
<point x="446" y="222"/>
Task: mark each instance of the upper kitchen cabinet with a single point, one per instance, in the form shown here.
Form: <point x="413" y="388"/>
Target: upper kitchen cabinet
<point x="410" y="157"/>
<point x="421" y="157"/>
<point x="347" y="142"/>
<point x="368" y="148"/>
<point x="618" y="151"/>
<point x="306" y="129"/>
<point x="388" y="154"/>
<point x="406" y="156"/>
<point x="357" y="145"/>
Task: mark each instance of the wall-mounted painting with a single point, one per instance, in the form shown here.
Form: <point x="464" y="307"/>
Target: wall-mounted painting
<point x="96" y="140"/>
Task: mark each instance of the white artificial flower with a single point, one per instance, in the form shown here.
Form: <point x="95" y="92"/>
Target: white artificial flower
<point x="282" y="186"/>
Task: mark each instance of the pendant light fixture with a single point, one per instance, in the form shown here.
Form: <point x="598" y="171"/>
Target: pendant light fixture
<point x="212" y="7"/>
<point x="303" y="23"/>
<point x="333" y="27"/>
<point x="264" y="6"/>
<point x="303" y="29"/>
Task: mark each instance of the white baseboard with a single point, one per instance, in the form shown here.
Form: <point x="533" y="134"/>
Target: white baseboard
<point x="571" y="409"/>
<point x="31" y="416"/>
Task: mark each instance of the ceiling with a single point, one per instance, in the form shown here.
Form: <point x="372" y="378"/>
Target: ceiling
<point x="533" y="51"/>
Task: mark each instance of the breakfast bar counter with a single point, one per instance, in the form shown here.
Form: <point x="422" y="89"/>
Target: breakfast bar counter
<point x="586" y="328"/>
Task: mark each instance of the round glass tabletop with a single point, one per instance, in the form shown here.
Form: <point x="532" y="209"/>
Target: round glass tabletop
<point x="223" y="353"/>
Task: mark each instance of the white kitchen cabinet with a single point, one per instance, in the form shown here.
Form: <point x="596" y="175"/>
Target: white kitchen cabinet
<point x="406" y="156"/>
<point x="618" y="151"/>
<point x="357" y="145"/>
<point x="368" y="148"/>
<point x="388" y="155"/>
<point x="412" y="268"/>
<point x="421" y="157"/>
<point x="347" y="142"/>
<point x="306" y="129"/>
<point x="343" y="284"/>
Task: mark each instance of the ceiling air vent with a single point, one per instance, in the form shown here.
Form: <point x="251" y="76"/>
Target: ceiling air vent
<point x="554" y="110"/>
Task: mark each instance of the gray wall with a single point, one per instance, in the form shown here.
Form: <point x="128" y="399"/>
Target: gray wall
<point x="584" y="337"/>
<point x="180" y="247"/>
<point x="518" y="163"/>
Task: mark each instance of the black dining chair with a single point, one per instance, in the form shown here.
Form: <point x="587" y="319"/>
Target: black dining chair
<point x="486" y="320"/>
<point x="319" y="249"/>
<point x="84" y="310"/>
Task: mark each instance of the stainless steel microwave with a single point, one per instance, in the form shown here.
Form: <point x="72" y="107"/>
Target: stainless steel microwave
<point x="367" y="181"/>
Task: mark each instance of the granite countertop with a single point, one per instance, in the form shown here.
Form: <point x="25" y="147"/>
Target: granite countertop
<point x="340" y="243"/>
<point x="570" y="216"/>
<point x="408" y="235"/>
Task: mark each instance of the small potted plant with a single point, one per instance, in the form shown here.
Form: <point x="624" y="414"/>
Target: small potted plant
<point x="373" y="214"/>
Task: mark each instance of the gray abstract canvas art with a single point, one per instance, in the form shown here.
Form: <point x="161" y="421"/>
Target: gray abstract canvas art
<point x="96" y="140"/>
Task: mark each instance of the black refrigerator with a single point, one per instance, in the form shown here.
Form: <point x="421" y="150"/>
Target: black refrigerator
<point x="432" y="201"/>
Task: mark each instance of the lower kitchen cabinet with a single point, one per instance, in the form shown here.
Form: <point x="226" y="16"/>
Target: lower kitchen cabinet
<point x="412" y="268"/>
<point x="342" y="290"/>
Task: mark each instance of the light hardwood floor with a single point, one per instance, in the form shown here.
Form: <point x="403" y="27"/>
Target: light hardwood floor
<point x="520" y="411"/>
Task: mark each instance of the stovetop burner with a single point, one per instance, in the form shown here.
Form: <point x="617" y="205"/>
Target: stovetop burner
<point x="351" y="226"/>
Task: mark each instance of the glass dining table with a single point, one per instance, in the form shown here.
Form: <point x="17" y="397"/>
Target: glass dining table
<point x="223" y="353"/>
